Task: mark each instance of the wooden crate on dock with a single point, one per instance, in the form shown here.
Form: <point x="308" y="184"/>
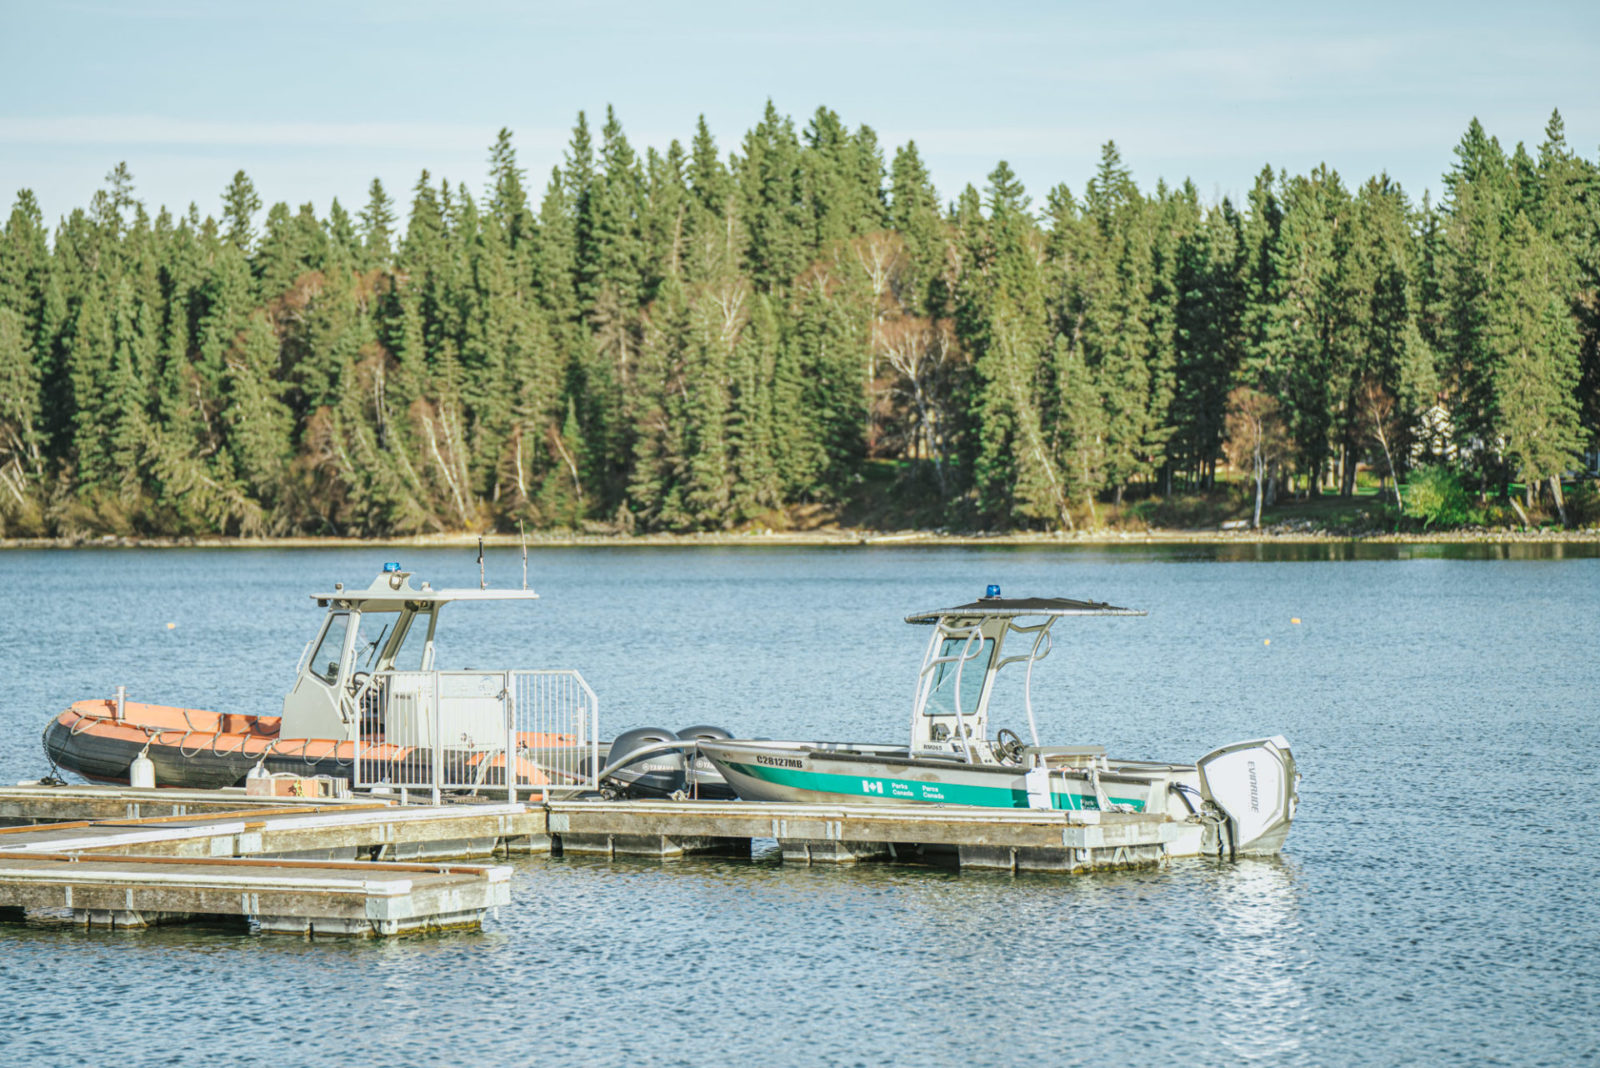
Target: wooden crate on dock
<point x="288" y="784"/>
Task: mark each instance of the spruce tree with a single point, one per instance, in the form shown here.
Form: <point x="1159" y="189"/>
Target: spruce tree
<point x="1535" y="350"/>
<point x="240" y="202"/>
<point x="377" y="227"/>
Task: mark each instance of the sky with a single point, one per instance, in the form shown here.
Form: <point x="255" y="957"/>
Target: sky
<point x="315" y="100"/>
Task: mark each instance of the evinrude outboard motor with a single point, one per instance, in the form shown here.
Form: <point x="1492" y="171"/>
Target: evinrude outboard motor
<point x="658" y="773"/>
<point x="704" y="780"/>
<point x="1256" y="788"/>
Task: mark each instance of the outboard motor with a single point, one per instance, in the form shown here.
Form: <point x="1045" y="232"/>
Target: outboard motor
<point x="1256" y="788"/>
<point x="660" y="773"/>
<point x="704" y="780"/>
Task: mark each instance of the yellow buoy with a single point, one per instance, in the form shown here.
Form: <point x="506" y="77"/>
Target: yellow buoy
<point x="172" y="626"/>
<point x="1266" y="641"/>
<point x="1295" y="621"/>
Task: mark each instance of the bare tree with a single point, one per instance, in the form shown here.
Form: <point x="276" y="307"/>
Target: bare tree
<point x="1257" y="438"/>
<point x="921" y="353"/>
<point x="1377" y="407"/>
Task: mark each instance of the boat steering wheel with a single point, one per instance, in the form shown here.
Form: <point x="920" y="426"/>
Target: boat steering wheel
<point x="1007" y="746"/>
<point x="358" y="679"/>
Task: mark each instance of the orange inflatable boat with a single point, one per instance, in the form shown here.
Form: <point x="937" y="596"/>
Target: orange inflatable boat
<point x="204" y="750"/>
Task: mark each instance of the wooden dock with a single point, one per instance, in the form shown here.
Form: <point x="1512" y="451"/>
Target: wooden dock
<point x="30" y="803"/>
<point x="123" y="857"/>
<point x="120" y="857"/>
<point x="345" y="832"/>
<point x="292" y="896"/>
<point x="1005" y="839"/>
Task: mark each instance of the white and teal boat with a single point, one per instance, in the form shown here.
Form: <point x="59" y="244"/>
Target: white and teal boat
<point x="1237" y="800"/>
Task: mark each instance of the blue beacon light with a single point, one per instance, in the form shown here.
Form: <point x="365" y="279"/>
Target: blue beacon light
<point x="391" y="567"/>
<point x="992" y="591"/>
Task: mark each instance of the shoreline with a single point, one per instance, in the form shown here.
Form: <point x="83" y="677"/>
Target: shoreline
<point x="823" y="538"/>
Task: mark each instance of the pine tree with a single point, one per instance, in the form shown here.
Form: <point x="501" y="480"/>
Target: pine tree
<point x="508" y="201"/>
<point x="920" y="284"/>
<point x="22" y="438"/>
<point x="1536" y="361"/>
<point x="1479" y="195"/>
<point x="1116" y="329"/>
<point x="259" y="423"/>
<point x="771" y="190"/>
<point x="240" y="202"/>
<point x="377" y="227"/>
<point x="1014" y="470"/>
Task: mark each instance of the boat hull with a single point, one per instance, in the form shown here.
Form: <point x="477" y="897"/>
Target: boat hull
<point x="848" y="774"/>
<point x="197" y="749"/>
<point x="1239" y="800"/>
<point x="201" y="750"/>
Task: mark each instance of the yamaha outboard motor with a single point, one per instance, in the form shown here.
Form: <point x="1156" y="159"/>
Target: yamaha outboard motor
<point x="660" y="773"/>
<point x="704" y="780"/>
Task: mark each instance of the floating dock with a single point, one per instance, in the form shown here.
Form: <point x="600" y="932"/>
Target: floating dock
<point x="1004" y="839"/>
<point x="292" y="896"/>
<point x="121" y="857"/>
<point x="369" y="828"/>
<point x="313" y="830"/>
<point x="34" y="803"/>
<point x="124" y="857"/>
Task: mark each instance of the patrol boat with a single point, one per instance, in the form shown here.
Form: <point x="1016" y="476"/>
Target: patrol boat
<point x="367" y="705"/>
<point x="1238" y="800"/>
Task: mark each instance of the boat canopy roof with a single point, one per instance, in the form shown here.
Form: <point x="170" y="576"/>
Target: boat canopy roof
<point x="392" y="590"/>
<point x="1011" y="607"/>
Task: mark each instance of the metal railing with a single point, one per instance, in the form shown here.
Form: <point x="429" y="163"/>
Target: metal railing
<point x="520" y="732"/>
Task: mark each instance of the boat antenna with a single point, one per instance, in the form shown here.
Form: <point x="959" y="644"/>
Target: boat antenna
<point x="521" y="529"/>
<point x="482" y="584"/>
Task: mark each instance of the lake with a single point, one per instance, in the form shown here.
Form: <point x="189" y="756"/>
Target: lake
<point x="1436" y="902"/>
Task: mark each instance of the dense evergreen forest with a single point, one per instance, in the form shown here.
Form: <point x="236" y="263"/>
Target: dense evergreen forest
<point x="689" y="340"/>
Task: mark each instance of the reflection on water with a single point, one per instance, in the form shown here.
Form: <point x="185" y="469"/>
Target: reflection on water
<point x="1257" y="983"/>
<point x="1429" y="910"/>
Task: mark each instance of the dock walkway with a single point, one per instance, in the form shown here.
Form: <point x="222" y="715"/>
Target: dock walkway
<point x="300" y="897"/>
<point x="1006" y="839"/>
<point x="35" y="803"/>
<point x="316" y="830"/>
<point x="125" y="857"/>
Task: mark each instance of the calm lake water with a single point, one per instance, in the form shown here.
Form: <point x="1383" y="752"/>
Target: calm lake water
<point x="1437" y="902"/>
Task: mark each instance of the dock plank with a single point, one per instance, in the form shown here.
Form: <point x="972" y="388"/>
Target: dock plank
<point x="331" y="832"/>
<point x="1015" y="839"/>
<point x="31" y="803"/>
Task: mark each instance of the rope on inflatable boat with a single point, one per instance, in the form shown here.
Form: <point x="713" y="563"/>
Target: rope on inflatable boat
<point x="153" y="733"/>
<point x="189" y="724"/>
<point x="236" y="750"/>
<point x="78" y="727"/>
<point x="154" y="736"/>
<point x="333" y="753"/>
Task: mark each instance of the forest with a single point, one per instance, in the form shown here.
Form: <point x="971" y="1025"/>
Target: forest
<point x="690" y="339"/>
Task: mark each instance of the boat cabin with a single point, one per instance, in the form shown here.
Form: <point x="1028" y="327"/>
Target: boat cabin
<point x="389" y="626"/>
<point x="966" y="653"/>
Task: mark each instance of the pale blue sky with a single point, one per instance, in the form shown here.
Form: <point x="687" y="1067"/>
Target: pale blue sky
<point x="313" y="100"/>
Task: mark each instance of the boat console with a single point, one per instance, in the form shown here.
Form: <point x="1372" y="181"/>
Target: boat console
<point x="389" y="626"/>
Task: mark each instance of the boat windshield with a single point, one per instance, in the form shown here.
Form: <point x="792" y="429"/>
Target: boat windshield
<point x="325" y="661"/>
<point x="371" y="636"/>
<point x="408" y="657"/>
<point x="941" y="697"/>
